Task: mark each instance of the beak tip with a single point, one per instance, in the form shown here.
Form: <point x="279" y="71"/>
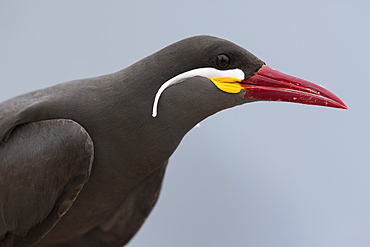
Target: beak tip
<point x="340" y="105"/>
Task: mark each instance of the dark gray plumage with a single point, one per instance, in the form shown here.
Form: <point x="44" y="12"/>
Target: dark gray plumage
<point x="45" y="164"/>
<point x="53" y="138"/>
<point x="43" y="168"/>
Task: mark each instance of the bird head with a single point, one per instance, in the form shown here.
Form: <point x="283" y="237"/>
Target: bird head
<point x="205" y="74"/>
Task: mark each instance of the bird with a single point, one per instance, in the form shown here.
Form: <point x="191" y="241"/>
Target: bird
<point x="82" y="162"/>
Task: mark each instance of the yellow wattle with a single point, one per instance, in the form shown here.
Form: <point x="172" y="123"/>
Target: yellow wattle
<point x="227" y="84"/>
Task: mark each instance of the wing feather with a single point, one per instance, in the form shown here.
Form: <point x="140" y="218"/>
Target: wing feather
<point x="43" y="167"/>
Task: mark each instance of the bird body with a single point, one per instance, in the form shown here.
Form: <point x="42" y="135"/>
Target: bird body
<point x="94" y="153"/>
<point x="119" y="169"/>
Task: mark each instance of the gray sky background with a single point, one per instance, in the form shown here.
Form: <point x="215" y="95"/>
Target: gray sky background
<point x="263" y="174"/>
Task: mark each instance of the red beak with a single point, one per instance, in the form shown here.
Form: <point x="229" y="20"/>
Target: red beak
<point x="270" y="84"/>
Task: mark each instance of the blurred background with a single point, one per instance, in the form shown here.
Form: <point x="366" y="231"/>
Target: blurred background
<point x="261" y="174"/>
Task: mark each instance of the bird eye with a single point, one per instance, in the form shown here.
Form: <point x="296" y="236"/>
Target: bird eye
<point x="222" y="61"/>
